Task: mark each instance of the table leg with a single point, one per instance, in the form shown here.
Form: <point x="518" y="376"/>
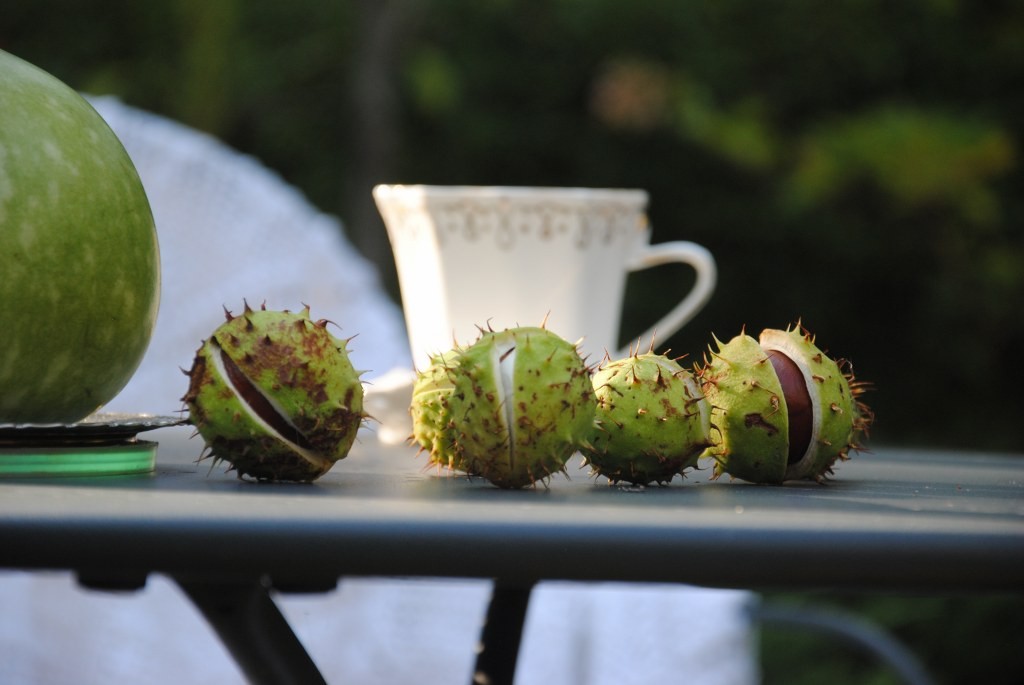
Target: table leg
<point x="254" y="631"/>
<point x="501" y="635"/>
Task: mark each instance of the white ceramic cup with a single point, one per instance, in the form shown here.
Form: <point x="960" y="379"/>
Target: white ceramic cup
<point x="471" y="257"/>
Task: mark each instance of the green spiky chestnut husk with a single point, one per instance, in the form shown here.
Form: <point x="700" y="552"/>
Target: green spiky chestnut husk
<point x="782" y="409"/>
<point x="652" y="421"/>
<point x="274" y="394"/>
<point x="432" y="426"/>
<point x="521" y="404"/>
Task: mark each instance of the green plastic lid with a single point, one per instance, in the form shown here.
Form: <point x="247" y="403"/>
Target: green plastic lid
<point x="78" y="460"/>
<point x="102" y="444"/>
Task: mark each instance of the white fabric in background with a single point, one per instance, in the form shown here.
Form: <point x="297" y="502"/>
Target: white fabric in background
<point x="229" y="229"/>
<point x="379" y="631"/>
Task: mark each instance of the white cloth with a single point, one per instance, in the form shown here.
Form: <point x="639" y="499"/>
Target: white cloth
<point x="228" y="230"/>
<point x="379" y="631"/>
<point x="231" y="230"/>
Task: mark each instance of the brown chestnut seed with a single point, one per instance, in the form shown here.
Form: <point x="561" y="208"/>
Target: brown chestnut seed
<point x="260" y="404"/>
<point x="798" y="404"/>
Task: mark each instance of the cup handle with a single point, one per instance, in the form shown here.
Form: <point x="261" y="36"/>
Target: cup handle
<point x="703" y="264"/>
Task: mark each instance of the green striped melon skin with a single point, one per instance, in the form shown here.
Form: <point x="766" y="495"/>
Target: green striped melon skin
<point x="79" y="260"/>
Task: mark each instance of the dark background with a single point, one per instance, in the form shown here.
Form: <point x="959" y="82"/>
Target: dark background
<point x="854" y="164"/>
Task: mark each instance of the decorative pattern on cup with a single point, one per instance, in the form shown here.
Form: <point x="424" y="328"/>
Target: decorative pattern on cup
<point x="507" y="222"/>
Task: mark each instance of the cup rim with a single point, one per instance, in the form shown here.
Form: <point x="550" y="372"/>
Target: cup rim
<point x="423" y="192"/>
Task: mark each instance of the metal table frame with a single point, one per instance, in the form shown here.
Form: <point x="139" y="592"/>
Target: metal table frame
<point x="923" y="520"/>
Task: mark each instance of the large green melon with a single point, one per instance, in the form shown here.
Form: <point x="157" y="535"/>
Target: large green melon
<point x="79" y="262"/>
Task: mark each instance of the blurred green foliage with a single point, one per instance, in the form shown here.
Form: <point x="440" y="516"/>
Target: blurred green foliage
<point x="853" y="164"/>
<point x="957" y="640"/>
